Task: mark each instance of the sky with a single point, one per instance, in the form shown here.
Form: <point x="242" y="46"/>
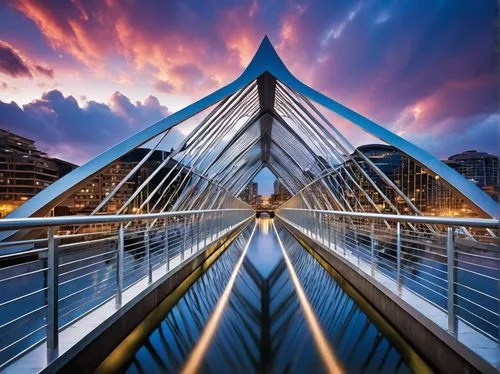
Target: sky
<point x="79" y="76"/>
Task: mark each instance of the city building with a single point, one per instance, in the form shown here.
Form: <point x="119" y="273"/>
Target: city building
<point x="281" y="193"/>
<point x="424" y="190"/>
<point x="88" y="197"/>
<point x="25" y="170"/>
<point x="250" y="193"/>
<point x="480" y="168"/>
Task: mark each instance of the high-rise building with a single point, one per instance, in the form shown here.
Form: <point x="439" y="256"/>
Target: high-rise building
<point x="480" y="168"/>
<point x="250" y="193"/>
<point x="281" y="194"/>
<point x="25" y="170"/>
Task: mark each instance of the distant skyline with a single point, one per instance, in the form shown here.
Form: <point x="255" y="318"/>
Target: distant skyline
<point x="78" y="77"/>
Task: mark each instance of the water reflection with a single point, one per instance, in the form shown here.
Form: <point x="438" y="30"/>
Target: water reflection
<point x="264" y="251"/>
<point x="263" y="327"/>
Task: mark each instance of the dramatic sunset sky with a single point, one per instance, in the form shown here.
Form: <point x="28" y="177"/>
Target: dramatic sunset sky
<point x="78" y="76"/>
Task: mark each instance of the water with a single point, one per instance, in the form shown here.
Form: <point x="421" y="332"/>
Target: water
<point x="263" y="327"/>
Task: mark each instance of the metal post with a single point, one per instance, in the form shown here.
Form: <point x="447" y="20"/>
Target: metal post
<point x="184" y="240"/>
<point x="119" y="267"/>
<point x="148" y="256"/>
<point x="317" y="223"/>
<point x="308" y="224"/>
<point x="398" y="258"/>
<point x="52" y="295"/>
<point x="217" y="224"/>
<point x="221" y="227"/>
<point x="372" y="242"/>
<point x="450" y="247"/>
<point x="198" y="228"/>
<point x="335" y="227"/>
<point x="320" y="228"/>
<point x="210" y="227"/>
<point x="190" y="235"/>
<point x="165" y="244"/>
<point x="204" y="227"/>
<point x="323" y="229"/>
<point x="329" y="225"/>
<point x="343" y="237"/>
<point x="356" y="243"/>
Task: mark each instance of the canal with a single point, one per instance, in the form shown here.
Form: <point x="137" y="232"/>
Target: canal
<point x="265" y="305"/>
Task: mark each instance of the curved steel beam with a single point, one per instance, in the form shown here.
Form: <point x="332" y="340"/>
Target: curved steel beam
<point x="265" y="60"/>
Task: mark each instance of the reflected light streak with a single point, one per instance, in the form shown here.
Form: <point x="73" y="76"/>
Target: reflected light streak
<point x="264" y="225"/>
<point x="329" y="359"/>
<point x="197" y="354"/>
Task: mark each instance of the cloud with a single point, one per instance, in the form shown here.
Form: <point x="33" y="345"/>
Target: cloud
<point x="430" y="74"/>
<point x="65" y="129"/>
<point x="11" y="62"/>
<point x="163" y="39"/>
<point x="48" y="72"/>
<point x="15" y="64"/>
<point x="163" y="86"/>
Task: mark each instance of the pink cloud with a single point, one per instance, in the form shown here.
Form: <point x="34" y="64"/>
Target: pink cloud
<point x="17" y="65"/>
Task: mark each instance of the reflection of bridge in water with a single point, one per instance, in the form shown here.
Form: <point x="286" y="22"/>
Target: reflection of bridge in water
<point x="356" y="272"/>
<point x="263" y="319"/>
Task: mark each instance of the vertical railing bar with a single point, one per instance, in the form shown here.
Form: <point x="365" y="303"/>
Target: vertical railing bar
<point x="184" y="240"/>
<point x="119" y="267"/>
<point x="335" y="233"/>
<point x="450" y="249"/>
<point x="329" y="223"/>
<point x="205" y="231"/>
<point x="356" y="243"/>
<point x="343" y="237"/>
<point x="198" y="228"/>
<point x="372" y="245"/>
<point x="321" y="228"/>
<point x="167" y="254"/>
<point x="398" y="258"/>
<point x="148" y="256"/>
<point x="52" y="295"/>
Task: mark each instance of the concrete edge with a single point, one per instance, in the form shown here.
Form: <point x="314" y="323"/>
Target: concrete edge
<point x="435" y="345"/>
<point x="91" y="350"/>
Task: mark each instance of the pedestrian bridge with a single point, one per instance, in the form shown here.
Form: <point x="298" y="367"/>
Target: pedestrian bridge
<point x="363" y="269"/>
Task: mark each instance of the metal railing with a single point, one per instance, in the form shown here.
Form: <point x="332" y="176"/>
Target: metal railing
<point x="72" y="265"/>
<point x="455" y="272"/>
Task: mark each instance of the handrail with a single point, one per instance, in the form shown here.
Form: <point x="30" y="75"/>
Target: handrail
<point x="38" y="222"/>
<point x="457" y="276"/>
<point x="71" y="278"/>
<point x="472" y="222"/>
